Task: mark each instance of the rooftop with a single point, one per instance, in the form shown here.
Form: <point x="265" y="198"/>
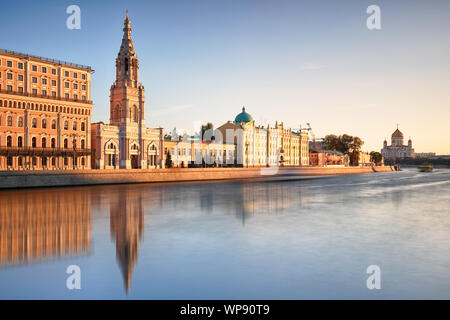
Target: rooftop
<point x="61" y="62"/>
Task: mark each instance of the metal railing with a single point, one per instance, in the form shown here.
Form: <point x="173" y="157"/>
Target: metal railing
<point x="23" y="94"/>
<point x="46" y="59"/>
<point x="42" y="152"/>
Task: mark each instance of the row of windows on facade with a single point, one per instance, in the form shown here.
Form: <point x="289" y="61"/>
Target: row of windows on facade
<point x="9" y="143"/>
<point x="183" y="152"/>
<point x="34" y="68"/>
<point x="44" y="161"/>
<point x="34" y="123"/>
<point x="112" y="146"/>
<point x="9" y="88"/>
<point x="40" y="107"/>
<point x="9" y="76"/>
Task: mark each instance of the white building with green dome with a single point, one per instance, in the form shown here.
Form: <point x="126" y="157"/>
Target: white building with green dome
<point x="265" y="146"/>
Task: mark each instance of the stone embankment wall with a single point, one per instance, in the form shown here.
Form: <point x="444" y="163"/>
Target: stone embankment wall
<point x="29" y="179"/>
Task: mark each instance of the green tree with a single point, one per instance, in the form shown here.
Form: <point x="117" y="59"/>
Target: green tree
<point x="346" y="144"/>
<point x="205" y="127"/>
<point x="376" y="157"/>
<point x="168" y="162"/>
<point x="332" y="142"/>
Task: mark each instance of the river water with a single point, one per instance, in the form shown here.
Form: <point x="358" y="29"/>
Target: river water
<point x="297" y="239"/>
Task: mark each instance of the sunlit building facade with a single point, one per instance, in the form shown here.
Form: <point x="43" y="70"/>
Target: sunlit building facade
<point x="397" y="149"/>
<point x="265" y="146"/>
<point x="194" y="152"/>
<point x="126" y="143"/>
<point x="45" y="113"/>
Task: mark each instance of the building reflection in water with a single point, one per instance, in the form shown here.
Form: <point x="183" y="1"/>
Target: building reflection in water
<point x="37" y="225"/>
<point x="248" y="199"/>
<point x="267" y="198"/>
<point x="127" y="229"/>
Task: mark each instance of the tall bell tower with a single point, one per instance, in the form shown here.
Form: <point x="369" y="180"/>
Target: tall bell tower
<point x="127" y="94"/>
<point x="127" y="100"/>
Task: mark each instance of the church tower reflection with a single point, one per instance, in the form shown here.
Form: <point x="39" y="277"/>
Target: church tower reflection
<point x="127" y="229"/>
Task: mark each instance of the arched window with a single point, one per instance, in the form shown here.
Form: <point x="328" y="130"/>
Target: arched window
<point x="82" y="161"/>
<point x="34" y="123"/>
<point x="82" y="144"/>
<point x="75" y="125"/>
<point x="20" y="122"/>
<point x="34" y="161"/>
<point x="53" y="124"/>
<point x="66" y="125"/>
<point x="44" y="161"/>
<point x="20" y="142"/>
<point x="82" y="126"/>
<point x="66" y="161"/>
<point x="53" y="143"/>
<point x="9" y="141"/>
<point x="33" y="142"/>
<point x="19" y="161"/>
<point x="136" y="116"/>
<point x="44" y="143"/>
<point x="9" y="121"/>
<point x="66" y="144"/>
<point x="44" y="123"/>
<point x="53" y="161"/>
<point x="117" y="112"/>
<point x="9" y="161"/>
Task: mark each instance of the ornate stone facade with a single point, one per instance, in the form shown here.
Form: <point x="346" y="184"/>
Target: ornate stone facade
<point x="397" y="149"/>
<point x="45" y="113"/>
<point x="266" y="146"/>
<point x="126" y="143"/>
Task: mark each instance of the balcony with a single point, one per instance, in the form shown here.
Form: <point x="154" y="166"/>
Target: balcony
<point x="23" y="94"/>
<point x="42" y="152"/>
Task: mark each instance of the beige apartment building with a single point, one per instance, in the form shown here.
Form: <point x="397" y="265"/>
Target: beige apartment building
<point x="45" y="113"/>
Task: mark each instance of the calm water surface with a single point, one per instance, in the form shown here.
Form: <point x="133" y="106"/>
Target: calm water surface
<point x="231" y="240"/>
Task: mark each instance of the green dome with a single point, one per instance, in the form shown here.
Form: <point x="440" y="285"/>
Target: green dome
<point x="243" y="116"/>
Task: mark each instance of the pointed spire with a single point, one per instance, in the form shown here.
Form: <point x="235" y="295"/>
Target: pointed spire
<point x="127" y="43"/>
<point x="126" y="22"/>
<point x="243" y="108"/>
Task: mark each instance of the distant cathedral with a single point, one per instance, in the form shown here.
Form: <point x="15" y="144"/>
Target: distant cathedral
<point x="126" y="143"/>
<point x="397" y="149"/>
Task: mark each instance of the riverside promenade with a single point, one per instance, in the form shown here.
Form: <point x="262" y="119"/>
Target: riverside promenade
<point x="33" y="179"/>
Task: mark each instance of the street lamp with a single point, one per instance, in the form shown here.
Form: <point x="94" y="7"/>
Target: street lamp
<point x="74" y="145"/>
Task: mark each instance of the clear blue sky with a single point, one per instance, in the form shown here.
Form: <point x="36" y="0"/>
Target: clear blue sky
<point x="293" y="61"/>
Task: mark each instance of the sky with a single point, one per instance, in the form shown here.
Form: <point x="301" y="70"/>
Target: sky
<point x="296" y="61"/>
